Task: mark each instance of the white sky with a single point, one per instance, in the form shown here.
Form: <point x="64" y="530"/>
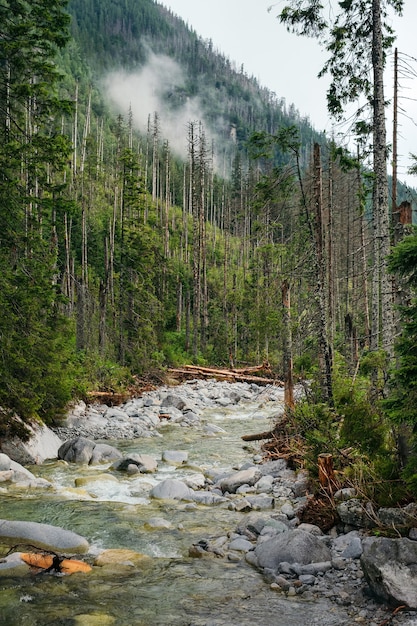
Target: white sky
<point x="288" y="65"/>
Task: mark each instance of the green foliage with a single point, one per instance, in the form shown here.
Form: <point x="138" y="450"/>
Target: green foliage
<point x="400" y="406"/>
<point x="318" y="425"/>
<point x="355" y="425"/>
<point x="96" y="373"/>
<point x="174" y="345"/>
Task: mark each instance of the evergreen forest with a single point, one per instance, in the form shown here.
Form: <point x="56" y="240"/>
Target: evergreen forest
<point x="122" y="254"/>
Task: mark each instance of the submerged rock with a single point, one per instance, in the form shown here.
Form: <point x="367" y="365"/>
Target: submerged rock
<point x="175" y="457"/>
<point x="122" y="557"/>
<point x="12" y="565"/>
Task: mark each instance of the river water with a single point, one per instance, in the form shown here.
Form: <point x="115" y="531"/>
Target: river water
<point x="171" y="588"/>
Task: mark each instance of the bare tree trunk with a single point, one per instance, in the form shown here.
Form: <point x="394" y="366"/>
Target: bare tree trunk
<point x="383" y="322"/>
<point x="155" y="140"/>
<point x="325" y="347"/>
<point x="179" y="307"/>
<point x="196" y="239"/>
<point x="287" y="348"/>
<point x="75" y="135"/>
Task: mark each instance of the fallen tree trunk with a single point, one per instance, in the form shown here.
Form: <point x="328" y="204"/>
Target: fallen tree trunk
<point x="231" y="375"/>
<point x="268" y="434"/>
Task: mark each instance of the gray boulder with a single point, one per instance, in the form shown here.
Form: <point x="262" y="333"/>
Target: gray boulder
<point x="348" y="546"/>
<point x="175" y="457"/>
<point x="232" y="482"/>
<point x="42" y="444"/>
<point x="207" y="498"/>
<point x="293" y="546"/>
<point x="273" y="468"/>
<point x="172" y="489"/>
<point x="42" y="536"/>
<point x="356" y="513"/>
<point x="145" y="463"/>
<point x="103" y="453"/>
<point x="172" y="400"/>
<point x="390" y="567"/>
<point x="405" y="517"/>
<point x="82" y="450"/>
<point x="13" y="472"/>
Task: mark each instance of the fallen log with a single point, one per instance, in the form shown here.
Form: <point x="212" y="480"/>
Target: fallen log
<point x="229" y="375"/>
<point x="268" y="434"/>
<point x="107" y="397"/>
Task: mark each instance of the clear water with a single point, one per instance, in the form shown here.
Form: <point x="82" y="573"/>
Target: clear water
<point x="172" y="588"/>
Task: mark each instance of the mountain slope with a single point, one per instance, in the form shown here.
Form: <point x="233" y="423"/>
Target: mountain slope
<point x="121" y="39"/>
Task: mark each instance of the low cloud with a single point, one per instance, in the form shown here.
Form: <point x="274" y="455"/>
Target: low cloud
<point x="148" y="90"/>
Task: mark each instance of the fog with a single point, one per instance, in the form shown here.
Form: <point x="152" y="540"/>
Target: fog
<point x="151" y="89"/>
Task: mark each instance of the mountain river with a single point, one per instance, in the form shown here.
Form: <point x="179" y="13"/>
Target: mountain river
<point x="172" y="589"/>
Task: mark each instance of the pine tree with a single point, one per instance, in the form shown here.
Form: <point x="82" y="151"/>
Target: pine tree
<point x="33" y="156"/>
<point x="357" y="41"/>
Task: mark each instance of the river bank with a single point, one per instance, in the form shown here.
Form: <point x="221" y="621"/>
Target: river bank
<point x="252" y="510"/>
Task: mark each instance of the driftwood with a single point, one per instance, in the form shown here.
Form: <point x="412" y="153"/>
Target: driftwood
<point x="257" y="437"/>
<point x="107" y="397"/>
<point x="246" y="374"/>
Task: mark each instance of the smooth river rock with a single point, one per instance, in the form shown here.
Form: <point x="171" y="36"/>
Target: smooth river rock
<point x="83" y="450"/>
<point x="11" y="471"/>
<point x="172" y="489"/>
<point x="232" y="482"/>
<point x="144" y="463"/>
<point x="42" y="536"/>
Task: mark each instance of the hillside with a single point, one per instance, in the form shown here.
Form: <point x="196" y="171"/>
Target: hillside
<point x="150" y="60"/>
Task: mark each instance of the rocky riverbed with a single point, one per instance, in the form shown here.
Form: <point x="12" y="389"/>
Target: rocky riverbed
<point x="348" y="566"/>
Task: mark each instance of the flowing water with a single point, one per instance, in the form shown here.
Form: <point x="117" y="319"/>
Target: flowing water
<point x="170" y="588"/>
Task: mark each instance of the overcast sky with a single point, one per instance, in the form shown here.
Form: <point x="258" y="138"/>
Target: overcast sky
<point x="288" y="65"/>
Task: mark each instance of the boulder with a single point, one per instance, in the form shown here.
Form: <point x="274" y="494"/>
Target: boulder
<point x="207" y="497"/>
<point x="172" y="489"/>
<point x="103" y="453"/>
<point x="86" y="481"/>
<point x="232" y="482"/>
<point x="348" y="546"/>
<point x="145" y="463"/>
<point x="172" y="400"/>
<point x="42" y="444"/>
<point x="11" y="471"/>
<point x="82" y="450"/>
<point x="273" y="468"/>
<point x="390" y="568"/>
<point x="293" y="546"/>
<point x="356" y="513"/>
<point x="175" y="457"/>
<point x="42" y="536"/>
<point x="405" y="517"/>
